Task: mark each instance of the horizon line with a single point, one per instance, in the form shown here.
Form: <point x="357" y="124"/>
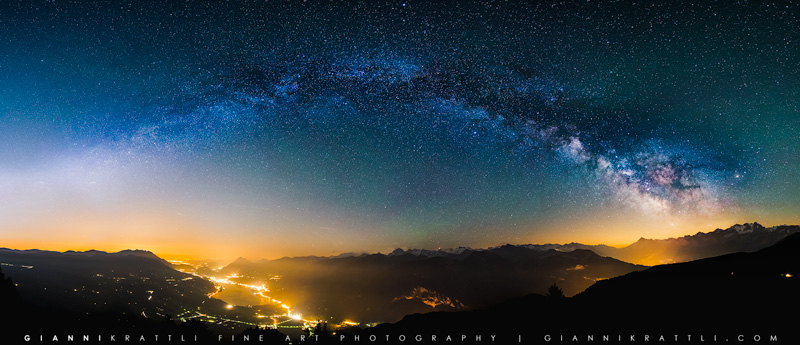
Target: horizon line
<point x="164" y="255"/>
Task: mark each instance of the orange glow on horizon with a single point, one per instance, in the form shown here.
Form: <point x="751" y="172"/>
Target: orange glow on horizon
<point x="184" y="243"/>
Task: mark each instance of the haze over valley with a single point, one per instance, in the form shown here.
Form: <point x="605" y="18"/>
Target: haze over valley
<point x="294" y="293"/>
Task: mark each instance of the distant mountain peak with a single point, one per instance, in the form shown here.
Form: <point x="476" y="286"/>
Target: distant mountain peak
<point x="241" y="261"/>
<point x="140" y="252"/>
<point x="747" y="237"/>
<point x="429" y="252"/>
<point x="136" y="252"/>
<point x="90" y="251"/>
<point x="747" y="228"/>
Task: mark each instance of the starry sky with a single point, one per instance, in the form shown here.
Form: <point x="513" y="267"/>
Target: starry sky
<point x="273" y="128"/>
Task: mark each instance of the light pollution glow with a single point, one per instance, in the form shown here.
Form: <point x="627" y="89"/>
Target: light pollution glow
<point x="329" y="136"/>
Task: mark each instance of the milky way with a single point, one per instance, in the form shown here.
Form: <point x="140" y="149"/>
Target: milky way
<point x="321" y="128"/>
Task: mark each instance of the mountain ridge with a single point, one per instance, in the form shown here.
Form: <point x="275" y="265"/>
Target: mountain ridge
<point x="745" y="237"/>
<point x="707" y="297"/>
<point x="385" y="287"/>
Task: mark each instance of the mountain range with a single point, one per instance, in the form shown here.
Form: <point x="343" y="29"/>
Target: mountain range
<point x="471" y="284"/>
<point x="134" y="282"/>
<point x="379" y="287"/>
<point x="746" y="237"/>
<point x="738" y="297"/>
<point x="385" y="287"/>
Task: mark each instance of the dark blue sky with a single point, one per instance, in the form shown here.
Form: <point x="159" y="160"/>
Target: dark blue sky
<point x="287" y="128"/>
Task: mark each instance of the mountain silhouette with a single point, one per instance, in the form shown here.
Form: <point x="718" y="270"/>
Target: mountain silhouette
<point x="451" y="291"/>
<point x="732" y="297"/>
<point x="381" y="288"/>
<point x="45" y="323"/>
<point x="131" y="282"/>
<point x="731" y="287"/>
<point x="747" y="237"/>
<point x="9" y="296"/>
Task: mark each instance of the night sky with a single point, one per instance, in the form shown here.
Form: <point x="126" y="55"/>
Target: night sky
<point x="272" y="128"/>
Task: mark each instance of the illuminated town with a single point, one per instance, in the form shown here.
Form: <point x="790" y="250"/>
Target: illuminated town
<point x="258" y="315"/>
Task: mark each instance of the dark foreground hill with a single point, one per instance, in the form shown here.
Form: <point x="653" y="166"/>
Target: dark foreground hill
<point x="741" y="296"/>
<point x="101" y="298"/>
<point x="131" y="282"/>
